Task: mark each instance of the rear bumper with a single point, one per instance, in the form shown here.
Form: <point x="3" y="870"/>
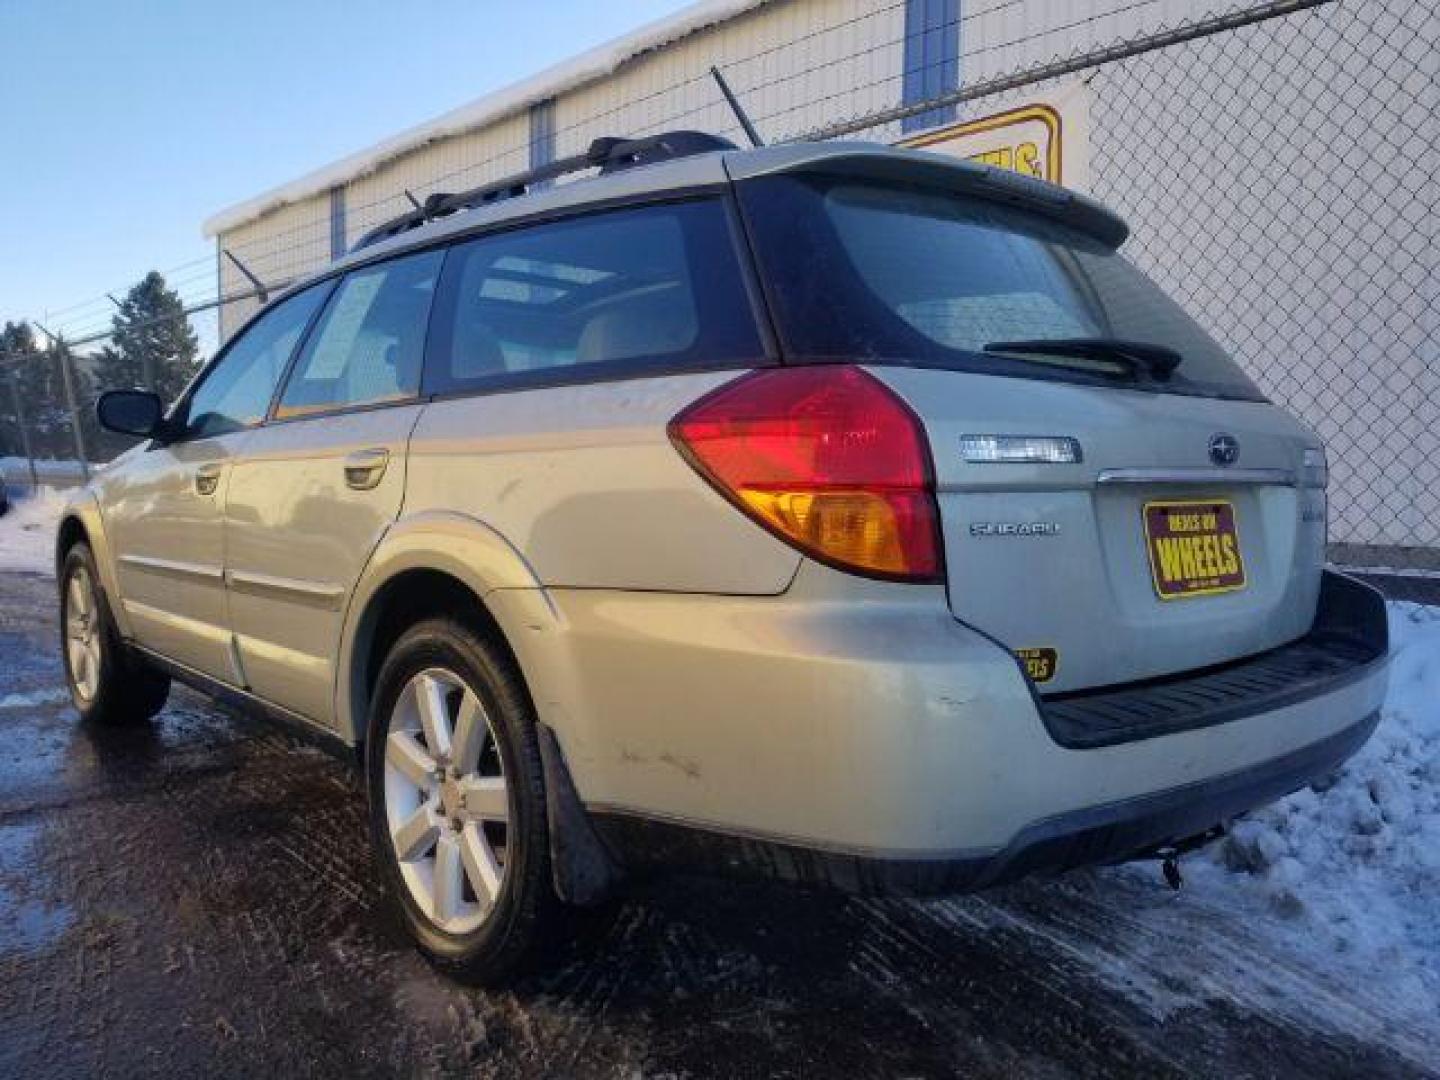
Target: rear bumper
<point x="1093" y="835"/>
<point x="873" y="742"/>
<point x="1348" y="638"/>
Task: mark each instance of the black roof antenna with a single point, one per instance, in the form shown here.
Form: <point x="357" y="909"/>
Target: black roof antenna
<point x="736" y="108"/>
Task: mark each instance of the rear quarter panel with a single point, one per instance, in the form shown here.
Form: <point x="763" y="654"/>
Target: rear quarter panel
<point x="584" y="483"/>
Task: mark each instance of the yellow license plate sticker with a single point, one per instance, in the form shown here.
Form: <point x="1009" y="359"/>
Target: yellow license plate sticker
<point x="1194" y="548"/>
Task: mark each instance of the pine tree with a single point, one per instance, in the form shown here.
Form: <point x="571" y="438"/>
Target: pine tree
<point x="16" y="345"/>
<point x="151" y="345"/>
<point x="37" y="379"/>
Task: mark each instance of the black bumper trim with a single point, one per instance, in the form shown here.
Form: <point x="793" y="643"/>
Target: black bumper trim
<point x="1348" y="639"/>
<point x="1110" y="833"/>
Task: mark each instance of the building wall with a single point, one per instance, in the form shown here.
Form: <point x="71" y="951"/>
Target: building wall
<point x="834" y="56"/>
<point x="282" y="245"/>
<point x="1002" y="36"/>
<point x="1278" y="178"/>
<point x="795" y="66"/>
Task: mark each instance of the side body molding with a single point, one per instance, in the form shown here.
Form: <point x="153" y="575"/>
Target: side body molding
<point x="473" y="553"/>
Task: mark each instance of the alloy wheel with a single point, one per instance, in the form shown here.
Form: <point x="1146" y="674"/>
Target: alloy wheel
<point x="446" y="800"/>
<point x="82" y="633"/>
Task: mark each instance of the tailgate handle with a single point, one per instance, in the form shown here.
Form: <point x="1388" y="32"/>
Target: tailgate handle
<point x="1193" y="475"/>
<point x="207" y="479"/>
<point x="364" y="469"/>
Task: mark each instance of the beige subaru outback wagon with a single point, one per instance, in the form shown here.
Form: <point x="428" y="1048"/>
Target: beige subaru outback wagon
<point x="854" y="515"/>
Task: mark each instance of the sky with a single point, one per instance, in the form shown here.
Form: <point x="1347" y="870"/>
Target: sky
<point x="123" y="125"/>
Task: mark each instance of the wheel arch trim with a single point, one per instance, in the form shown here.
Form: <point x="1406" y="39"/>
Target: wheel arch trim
<point x="461" y="547"/>
<point x="83" y="512"/>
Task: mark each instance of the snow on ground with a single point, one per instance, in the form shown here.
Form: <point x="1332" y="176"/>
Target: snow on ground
<point x="34" y="699"/>
<point x="27" y="532"/>
<point x="1323" y="907"/>
<point x="60" y="471"/>
<point x="1352" y="864"/>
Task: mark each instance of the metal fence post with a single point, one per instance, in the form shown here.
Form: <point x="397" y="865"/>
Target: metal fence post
<point x="68" y="378"/>
<point x="20" y="423"/>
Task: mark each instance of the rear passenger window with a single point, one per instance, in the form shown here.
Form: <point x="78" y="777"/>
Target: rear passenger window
<point x="603" y="295"/>
<point x="368" y="345"/>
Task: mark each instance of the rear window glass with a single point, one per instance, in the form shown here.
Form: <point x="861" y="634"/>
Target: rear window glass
<point x="612" y="293"/>
<point x="906" y="275"/>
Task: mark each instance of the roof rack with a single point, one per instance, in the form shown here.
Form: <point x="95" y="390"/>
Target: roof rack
<point x="607" y="154"/>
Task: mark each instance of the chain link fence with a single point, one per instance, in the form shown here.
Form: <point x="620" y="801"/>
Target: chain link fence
<point x="1278" y="163"/>
<point x="49" y="433"/>
<point x="1281" y="179"/>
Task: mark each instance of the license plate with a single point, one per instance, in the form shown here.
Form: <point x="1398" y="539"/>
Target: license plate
<point x="1194" y="548"/>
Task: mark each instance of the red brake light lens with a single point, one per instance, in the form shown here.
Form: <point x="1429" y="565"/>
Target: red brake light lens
<point x="827" y="457"/>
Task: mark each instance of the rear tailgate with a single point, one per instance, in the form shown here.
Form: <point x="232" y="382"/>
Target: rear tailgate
<point x="1060" y="559"/>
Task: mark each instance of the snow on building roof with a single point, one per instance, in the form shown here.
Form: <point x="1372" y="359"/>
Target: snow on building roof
<point x="588" y="67"/>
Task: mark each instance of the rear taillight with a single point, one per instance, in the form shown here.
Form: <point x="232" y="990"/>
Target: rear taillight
<point x="826" y="457"/>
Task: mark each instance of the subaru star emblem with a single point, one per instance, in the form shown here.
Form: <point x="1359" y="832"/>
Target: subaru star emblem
<point x="1224" y="449"/>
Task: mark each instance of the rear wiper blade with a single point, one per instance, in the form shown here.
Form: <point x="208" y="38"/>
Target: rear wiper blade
<point x="1159" y="361"/>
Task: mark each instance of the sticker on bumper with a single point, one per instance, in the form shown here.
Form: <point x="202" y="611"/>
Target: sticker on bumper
<point x="1040" y="664"/>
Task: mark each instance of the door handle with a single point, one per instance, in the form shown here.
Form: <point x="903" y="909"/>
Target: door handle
<point x="207" y="479"/>
<point x="364" y="469"/>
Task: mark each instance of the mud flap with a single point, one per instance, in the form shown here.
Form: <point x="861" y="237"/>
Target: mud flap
<point x="583" y="870"/>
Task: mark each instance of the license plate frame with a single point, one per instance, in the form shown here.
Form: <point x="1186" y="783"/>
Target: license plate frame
<point x="1185" y="545"/>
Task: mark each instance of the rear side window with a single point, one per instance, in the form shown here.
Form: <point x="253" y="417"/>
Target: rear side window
<point x="236" y="392"/>
<point x="893" y="274"/>
<point x="605" y="295"/>
<point x="368" y="345"/>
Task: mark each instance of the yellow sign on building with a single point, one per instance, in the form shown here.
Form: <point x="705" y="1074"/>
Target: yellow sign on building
<point x="1041" y="138"/>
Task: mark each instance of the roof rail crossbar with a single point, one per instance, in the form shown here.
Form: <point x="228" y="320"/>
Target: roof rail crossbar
<point x="607" y="154"/>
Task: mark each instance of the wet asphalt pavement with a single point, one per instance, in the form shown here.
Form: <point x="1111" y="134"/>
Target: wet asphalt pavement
<point x="196" y="896"/>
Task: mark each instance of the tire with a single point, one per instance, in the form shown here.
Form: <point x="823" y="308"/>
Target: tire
<point x="490" y="921"/>
<point x="108" y="683"/>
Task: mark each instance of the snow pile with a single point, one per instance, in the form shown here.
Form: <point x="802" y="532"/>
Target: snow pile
<point x="1353" y="863"/>
<point x="27" y="533"/>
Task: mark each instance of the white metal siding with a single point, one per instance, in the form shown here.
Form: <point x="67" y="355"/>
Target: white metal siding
<point x="1003" y="36"/>
<point x="794" y="66"/>
<point x="280" y="246"/>
<point x="453" y="164"/>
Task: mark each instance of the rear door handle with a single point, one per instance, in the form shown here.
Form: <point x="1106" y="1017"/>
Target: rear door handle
<point x="207" y="479"/>
<point x="364" y="469"/>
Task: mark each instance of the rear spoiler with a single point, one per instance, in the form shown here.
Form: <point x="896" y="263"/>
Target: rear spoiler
<point x="872" y="161"/>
